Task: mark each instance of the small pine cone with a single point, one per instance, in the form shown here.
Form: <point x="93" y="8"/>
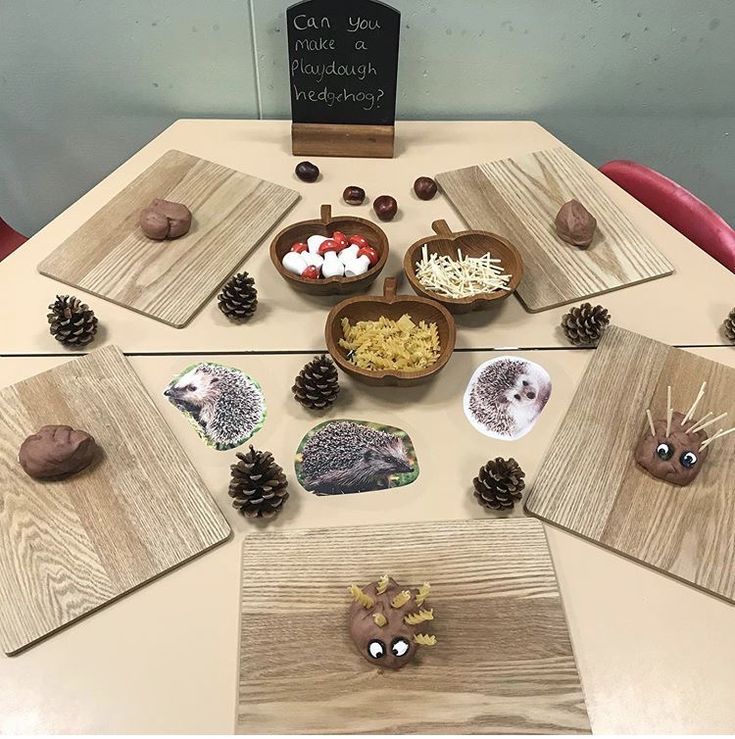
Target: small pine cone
<point x="71" y="322"/>
<point x="238" y="298"/>
<point x="317" y="385"/>
<point x="584" y="325"/>
<point x="257" y="485"/>
<point x="728" y="327"/>
<point x="499" y="483"/>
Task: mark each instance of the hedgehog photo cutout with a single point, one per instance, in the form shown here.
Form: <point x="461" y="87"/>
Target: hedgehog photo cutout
<point x="675" y="448"/>
<point x="505" y="397"/>
<point x="388" y="623"/>
<point x="225" y="406"/>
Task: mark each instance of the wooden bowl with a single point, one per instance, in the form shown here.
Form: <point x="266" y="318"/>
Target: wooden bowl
<point x="473" y="244"/>
<point x="326" y="226"/>
<point x="371" y="308"/>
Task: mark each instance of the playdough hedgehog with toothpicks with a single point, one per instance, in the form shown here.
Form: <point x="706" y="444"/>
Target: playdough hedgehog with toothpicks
<point x="675" y="448"/>
<point x="388" y="623"/>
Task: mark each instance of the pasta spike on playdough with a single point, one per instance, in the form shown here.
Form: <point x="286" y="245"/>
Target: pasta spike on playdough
<point x="424" y="640"/>
<point x="382" y="584"/>
<point x="380" y="620"/>
<point x="418" y="617"/>
<point x="401" y="599"/>
<point x="422" y="594"/>
<point x="361" y="597"/>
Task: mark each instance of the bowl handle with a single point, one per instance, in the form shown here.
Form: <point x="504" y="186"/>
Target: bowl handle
<point x="326" y="213"/>
<point x="441" y="228"/>
<point x="389" y="288"/>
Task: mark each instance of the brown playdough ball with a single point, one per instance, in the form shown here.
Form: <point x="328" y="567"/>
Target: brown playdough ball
<point x="388" y="623"/>
<point x="675" y="457"/>
<point x="164" y="219"/>
<point x="575" y="224"/>
<point x="54" y="452"/>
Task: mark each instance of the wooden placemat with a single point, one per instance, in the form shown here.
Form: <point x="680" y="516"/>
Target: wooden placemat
<point x="503" y="662"/>
<point x="519" y="198"/>
<point x="69" y="547"/>
<point x="109" y="256"/>
<point x="590" y="485"/>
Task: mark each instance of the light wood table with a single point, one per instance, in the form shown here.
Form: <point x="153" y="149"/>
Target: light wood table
<point x="685" y="308"/>
<point x="654" y="655"/>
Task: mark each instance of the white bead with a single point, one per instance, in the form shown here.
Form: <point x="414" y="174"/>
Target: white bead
<point x="314" y="242"/>
<point x="349" y="253"/>
<point x="357" y="266"/>
<point x="294" y="262"/>
<point x="332" y="267"/>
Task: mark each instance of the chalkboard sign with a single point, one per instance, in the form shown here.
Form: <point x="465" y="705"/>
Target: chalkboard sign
<point x="343" y="61"/>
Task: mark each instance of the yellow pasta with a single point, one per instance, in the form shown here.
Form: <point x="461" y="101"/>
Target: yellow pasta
<point x="391" y="345"/>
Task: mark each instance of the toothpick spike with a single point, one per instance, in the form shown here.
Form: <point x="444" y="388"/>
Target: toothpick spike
<point x="716" y="436"/>
<point x="697" y="423"/>
<point x="650" y="422"/>
<point x="690" y="412"/>
<point x="669" y="410"/>
<point x="711" y="421"/>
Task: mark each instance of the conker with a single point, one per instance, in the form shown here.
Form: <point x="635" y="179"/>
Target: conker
<point x="425" y="188"/>
<point x="353" y="195"/>
<point x="385" y="207"/>
<point x="307" y="171"/>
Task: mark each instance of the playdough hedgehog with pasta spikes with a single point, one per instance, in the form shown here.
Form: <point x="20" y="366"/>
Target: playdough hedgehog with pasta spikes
<point x="389" y="623"/>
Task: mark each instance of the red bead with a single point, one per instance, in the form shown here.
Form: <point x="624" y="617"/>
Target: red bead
<point x="370" y="253"/>
<point x="341" y="239"/>
<point x="300" y="247"/>
<point x="358" y="240"/>
<point x="311" y="273"/>
<point x="328" y="245"/>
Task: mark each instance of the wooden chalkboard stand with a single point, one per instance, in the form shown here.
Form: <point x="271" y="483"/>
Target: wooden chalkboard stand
<point x="342" y="140"/>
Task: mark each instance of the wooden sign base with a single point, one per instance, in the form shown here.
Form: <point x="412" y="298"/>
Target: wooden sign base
<point x="342" y="140"/>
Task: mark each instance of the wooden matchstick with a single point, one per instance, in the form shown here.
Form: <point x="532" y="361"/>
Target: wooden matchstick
<point x="696" y="423"/>
<point x="704" y="425"/>
<point x="716" y="436"/>
<point x="669" y="410"/>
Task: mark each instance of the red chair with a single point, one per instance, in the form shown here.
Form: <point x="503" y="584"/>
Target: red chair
<point x="10" y="239"/>
<point x="678" y="207"/>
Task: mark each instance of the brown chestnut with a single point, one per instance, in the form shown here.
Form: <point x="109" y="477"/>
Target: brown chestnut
<point x="425" y="188"/>
<point x="307" y="171"/>
<point x="385" y="207"/>
<point x="353" y="195"/>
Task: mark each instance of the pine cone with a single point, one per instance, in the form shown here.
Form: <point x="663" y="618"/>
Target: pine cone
<point x="257" y="485"/>
<point x="584" y="325"/>
<point x="317" y="385"/>
<point x="499" y="484"/>
<point x="238" y="298"/>
<point x="728" y="327"/>
<point x="71" y="322"/>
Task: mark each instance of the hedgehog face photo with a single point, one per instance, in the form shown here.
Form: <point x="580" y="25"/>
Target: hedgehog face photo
<point x="226" y="405"/>
<point x="505" y="397"/>
<point x="340" y="457"/>
<point x="388" y="623"/>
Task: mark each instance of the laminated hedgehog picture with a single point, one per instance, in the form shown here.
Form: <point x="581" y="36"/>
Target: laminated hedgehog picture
<point x="675" y="448"/>
<point x="505" y="397"/>
<point x="225" y="406"/>
<point x="345" y="456"/>
<point x="388" y="623"/>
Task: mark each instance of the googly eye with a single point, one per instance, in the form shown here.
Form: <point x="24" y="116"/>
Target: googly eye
<point x="399" y="647"/>
<point x="688" y="459"/>
<point x="376" y="648"/>
<point x="664" y="451"/>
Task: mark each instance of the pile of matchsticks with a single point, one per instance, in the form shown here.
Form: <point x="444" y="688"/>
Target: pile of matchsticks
<point x="702" y="423"/>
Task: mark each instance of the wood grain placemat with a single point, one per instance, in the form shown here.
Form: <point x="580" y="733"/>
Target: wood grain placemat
<point x="503" y="662"/>
<point x="69" y="547"/>
<point x="519" y="198"/>
<point x="590" y="485"/>
<point x="109" y="256"/>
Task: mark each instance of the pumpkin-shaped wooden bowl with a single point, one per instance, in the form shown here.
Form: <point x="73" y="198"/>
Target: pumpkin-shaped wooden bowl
<point x="390" y="305"/>
<point x="473" y="244"/>
<point x="326" y="226"/>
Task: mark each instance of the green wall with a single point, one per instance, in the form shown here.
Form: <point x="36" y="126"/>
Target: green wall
<point x="85" y="83"/>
